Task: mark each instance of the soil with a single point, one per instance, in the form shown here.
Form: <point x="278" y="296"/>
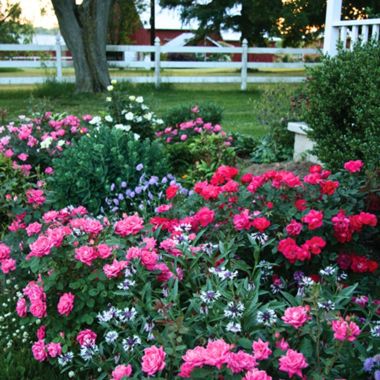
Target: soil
<point x="300" y="168"/>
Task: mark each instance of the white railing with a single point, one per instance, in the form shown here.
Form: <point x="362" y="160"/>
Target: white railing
<point x="347" y="32"/>
<point x="133" y="58"/>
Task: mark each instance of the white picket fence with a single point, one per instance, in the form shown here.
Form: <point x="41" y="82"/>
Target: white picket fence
<point x="347" y="32"/>
<point x="130" y="61"/>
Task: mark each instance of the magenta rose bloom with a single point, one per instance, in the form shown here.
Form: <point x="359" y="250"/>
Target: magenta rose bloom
<point x="292" y="363"/>
<point x="121" y="371"/>
<point x="86" y="337"/>
<point x="66" y="304"/>
<point x="39" y="351"/>
<point x="153" y="360"/>
<point x="296" y="316"/>
<point x="353" y="166"/>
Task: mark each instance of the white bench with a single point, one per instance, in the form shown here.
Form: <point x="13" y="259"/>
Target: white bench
<point x="302" y="144"/>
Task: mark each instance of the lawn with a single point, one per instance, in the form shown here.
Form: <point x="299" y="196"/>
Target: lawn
<point x="237" y="105"/>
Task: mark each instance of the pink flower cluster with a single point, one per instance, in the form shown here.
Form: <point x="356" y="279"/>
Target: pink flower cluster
<point x="7" y="263"/>
<point x="293" y="363"/>
<point x="66" y="304"/>
<point x="345" y="330"/>
<point x="153" y="360"/>
<point x="121" y="371"/>
<point x="218" y="353"/>
<point x="293" y="252"/>
<point x="296" y="316"/>
<point x="129" y="225"/>
<point x="42" y="351"/>
<point x="35" y="197"/>
<point x="37" y="300"/>
<point x="182" y="131"/>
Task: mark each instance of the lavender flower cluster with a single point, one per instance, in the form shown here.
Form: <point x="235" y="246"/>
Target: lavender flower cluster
<point x="148" y="194"/>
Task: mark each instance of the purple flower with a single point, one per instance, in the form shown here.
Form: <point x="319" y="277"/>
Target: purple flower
<point x="116" y="202"/>
<point x="123" y="185"/>
<point x="120" y="197"/>
<point x="377" y="375"/>
<point x="139" y="167"/>
<point x="164" y="180"/>
<point x="132" y="194"/>
<point x="153" y="180"/>
<point x="368" y="364"/>
<point x="112" y="187"/>
<point x="298" y="276"/>
<point x="138" y="189"/>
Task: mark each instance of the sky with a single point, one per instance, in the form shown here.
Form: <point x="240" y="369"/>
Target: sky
<point x="32" y="11"/>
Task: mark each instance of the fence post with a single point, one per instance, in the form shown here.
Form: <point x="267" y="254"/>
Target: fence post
<point x="333" y="14"/>
<point x="157" y="53"/>
<point x="58" y="57"/>
<point x="244" y="64"/>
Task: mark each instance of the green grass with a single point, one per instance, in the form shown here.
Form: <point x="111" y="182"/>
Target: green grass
<point x="238" y="110"/>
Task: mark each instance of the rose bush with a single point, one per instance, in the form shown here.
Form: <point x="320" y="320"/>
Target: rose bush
<point x="251" y="277"/>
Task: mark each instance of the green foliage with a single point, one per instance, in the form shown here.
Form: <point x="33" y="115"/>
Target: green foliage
<point x="87" y="169"/>
<point x="12" y="186"/>
<point x="12" y="27"/>
<point x="274" y="112"/>
<point x="343" y="111"/>
<point x="209" y="112"/>
<point x="243" y="144"/>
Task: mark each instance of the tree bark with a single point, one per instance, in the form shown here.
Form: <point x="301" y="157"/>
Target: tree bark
<point x="84" y="29"/>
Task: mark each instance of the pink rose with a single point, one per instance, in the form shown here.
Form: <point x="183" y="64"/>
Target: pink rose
<point x="314" y="219"/>
<point x="261" y="350"/>
<point x="121" y="371"/>
<point x="195" y="357"/>
<point x="129" y="225"/>
<point x="296" y="316"/>
<point x="41" y="247"/>
<point x="353" y="166"/>
<point x="54" y="349"/>
<point x="39" y="351"/>
<point x="217" y="353"/>
<point x="104" y="251"/>
<point x="293" y="228"/>
<point x="240" y="361"/>
<point x="5" y="251"/>
<point x="86" y="254"/>
<point x="292" y="363"/>
<point x="41" y="332"/>
<point x="204" y="216"/>
<point x="86" y="337"/>
<point x="256" y="374"/>
<point x="21" y="309"/>
<point x="345" y="330"/>
<point x="114" y="269"/>
<point x="153" y="360"/>
<point x="33" y="229"/>
<point x="163" y="208"/>
<point x="38" y="309"/>
<point x="66" y="304"/>
<point x="8" y="265"/>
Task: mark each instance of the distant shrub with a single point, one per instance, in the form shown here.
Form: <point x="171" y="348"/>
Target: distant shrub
<point x="274" y="110"/>
<point x="208" y="112"/>
<point x="344" y="112"/>
<point x="87" y="169"/>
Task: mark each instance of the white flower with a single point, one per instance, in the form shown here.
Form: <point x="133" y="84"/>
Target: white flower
<point x="148" y="116"/>
<point x="136" y="136"/>
<point x="109" y="118"/>
<point x="139" y="99"/>
<point x="111" y="337"/>
<point x="61" y="143"/>
<point x="108" y="99"/>
<point x="159" y="121"/>
<point x="71" y="374"/>
<point x="129" y="116"/>
<point x="139" y="119"/>
<point x="113" y="81"/>
<point x="125" y="128"/>
<point x="95" y="120"/>
<point x="132" y="98"/>
<point x="234" y="310"/>
<point x="267" y="317"/>
<point x="109" y="88"/>
<point x="46" y="143"/>
<point x="209" y="296"/>
<point x="233" y="327"/>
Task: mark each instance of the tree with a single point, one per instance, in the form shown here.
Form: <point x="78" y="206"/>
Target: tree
<point x="124" y="20"/>
<point x="12" y="28"/>
<point x="303" y="20"/>
<point x="84" y="29"/>
<point x="255" y="19"/>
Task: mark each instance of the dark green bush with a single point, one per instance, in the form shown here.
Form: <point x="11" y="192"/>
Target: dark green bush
<point x="209" y="112"/>
<point x="274" y="110"/>
<point x="86" y="170"/>
<point x="344" y="111"/>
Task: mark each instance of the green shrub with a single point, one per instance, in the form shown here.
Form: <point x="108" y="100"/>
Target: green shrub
<point x="86" y="170"/>
<point x="209" y="112"/>
<point x="243" y="144"/>
<point x="344" y="111"/>
<point x="274" y="110"/>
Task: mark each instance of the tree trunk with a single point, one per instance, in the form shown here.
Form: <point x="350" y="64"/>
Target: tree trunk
<point x="84" y="29"/>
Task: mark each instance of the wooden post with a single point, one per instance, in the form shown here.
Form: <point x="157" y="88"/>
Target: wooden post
<point x="333" y="14"/>
<point x="375" y="32"/>
<point x="354" y="36"/>
<point x="244" y="65"/>
<point x="157" y="53"/>
<point x="58" y="58"/>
